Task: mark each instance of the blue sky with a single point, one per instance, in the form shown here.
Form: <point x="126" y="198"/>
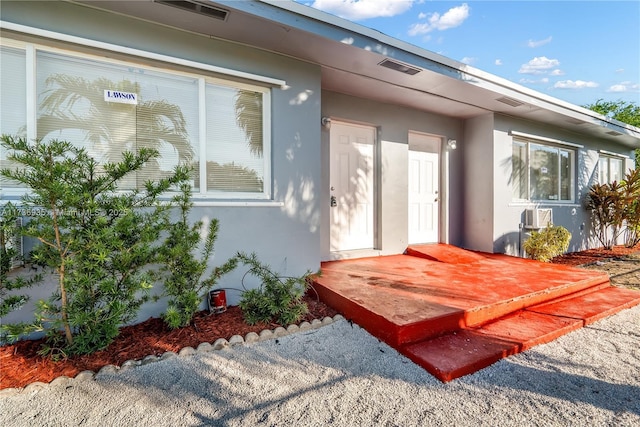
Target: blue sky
<point x="577" y="51"/>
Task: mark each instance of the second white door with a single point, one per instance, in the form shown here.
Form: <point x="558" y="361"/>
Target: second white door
<point x="424" y="197"/>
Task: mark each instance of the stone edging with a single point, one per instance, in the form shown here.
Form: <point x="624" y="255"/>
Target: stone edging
<point x="205" y="347"/>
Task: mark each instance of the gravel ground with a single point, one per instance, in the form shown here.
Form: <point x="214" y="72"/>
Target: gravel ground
<point x="623" y="271"/>
<point x="341" y="375"/>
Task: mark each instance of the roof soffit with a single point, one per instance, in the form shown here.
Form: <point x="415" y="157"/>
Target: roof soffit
<point x="350" y="58"/>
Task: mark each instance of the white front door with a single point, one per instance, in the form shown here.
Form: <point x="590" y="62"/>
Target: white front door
<point x="351" y="186"/>
<point x="424" y="196"/>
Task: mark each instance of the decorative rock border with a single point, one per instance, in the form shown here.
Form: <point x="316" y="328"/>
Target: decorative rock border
<point x="205" y="347"/>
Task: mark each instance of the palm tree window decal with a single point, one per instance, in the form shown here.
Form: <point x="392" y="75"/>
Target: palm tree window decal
<point x="76" y="105"/>
<point x="235" y="140"/>
<point x="112" y="107"/>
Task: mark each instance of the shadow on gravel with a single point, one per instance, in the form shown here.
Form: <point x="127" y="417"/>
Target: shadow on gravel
<point x="570" y="387"/>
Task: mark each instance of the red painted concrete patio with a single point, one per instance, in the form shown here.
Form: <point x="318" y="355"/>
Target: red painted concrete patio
<point x="454" y="311"/>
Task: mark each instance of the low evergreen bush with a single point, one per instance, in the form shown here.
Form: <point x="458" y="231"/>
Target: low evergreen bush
<point x="182" y="270"/>
<point x="277" y="299"/>
<point x="98" y="240"/>
<point x="10" y="233"/>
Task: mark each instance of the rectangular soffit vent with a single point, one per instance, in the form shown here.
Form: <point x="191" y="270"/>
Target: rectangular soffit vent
<point x="510" y="101"/>
<point x="399" y="66"/>
<point x="210" y="11"/>
<point x="614" y="133"/>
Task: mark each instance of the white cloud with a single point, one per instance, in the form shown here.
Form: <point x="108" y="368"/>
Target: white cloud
<point x="468" y="60"/>
<point x="357" y="10"/>
<point x="498" y="62"/>
<point x="578" y="84"/>
<point x="624" y="87"/>
<point x="620" y="70"/>
<point x="543" y="80"/>
<point x="538" y="65"/>
<point x="538" y="43"/>
<point x="452" y="18"/>
<point x="557" y="72"/>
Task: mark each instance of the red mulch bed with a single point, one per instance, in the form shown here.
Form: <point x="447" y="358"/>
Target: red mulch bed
<point x="20" y="364"/>
<point x="594" y="255"/>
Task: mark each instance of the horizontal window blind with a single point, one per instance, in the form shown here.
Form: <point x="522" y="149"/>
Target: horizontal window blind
<point x="110" y="108"/>
<point x="219" y="128"/>
<point x="13" y="102"/>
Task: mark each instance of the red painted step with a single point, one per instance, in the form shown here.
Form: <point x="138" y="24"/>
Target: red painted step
<point x="458" y="353"/>
<point x="454" y="311"/>
<point x="529" y="329"/>
<point x="591" y="307"/>
<point x="466" y="351"/>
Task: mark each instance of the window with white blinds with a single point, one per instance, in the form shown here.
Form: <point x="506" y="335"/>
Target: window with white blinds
<point x="13" y="108"/>
<point x="109" y="107"/>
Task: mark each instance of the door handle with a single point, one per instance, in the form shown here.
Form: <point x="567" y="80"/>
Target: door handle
<point x="334" y="201"/>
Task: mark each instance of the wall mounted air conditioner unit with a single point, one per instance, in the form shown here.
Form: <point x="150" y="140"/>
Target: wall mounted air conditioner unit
<point x="538" y="218"/>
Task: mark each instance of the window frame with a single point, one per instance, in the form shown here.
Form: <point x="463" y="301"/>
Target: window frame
<point x="205" y="74"/>
<point x="609" y="157"/>
<point x="547" y="143"/>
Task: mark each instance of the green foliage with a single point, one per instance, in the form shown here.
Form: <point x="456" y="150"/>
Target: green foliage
<point x="615" y="210"/>
<point x="547" y="243"/>
<point x="624" y="111"/>
<point x="183" y="283"/>
<point x="278" y="299"/>
<point x="98" y="240"/>
<point x="607" y="210"/>
<point x="10" y="231"/>
<point x="631" y="199"/>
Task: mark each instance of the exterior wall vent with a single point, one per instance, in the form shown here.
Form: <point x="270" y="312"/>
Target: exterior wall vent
<point x="538" y="218"/>
<point x="210" y="11"/>
<point x="614" y="133"/>
<point x="399" y="66"/>
<point x="510" y="101"/>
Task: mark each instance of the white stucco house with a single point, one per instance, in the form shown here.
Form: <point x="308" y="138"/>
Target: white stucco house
<point x="356" y="144"/>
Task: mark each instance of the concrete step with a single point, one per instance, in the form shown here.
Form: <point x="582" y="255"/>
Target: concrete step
<point x="468" y="350"/>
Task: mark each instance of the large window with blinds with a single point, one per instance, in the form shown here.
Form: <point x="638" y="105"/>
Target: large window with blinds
<point x="218" y="127"/>
<point x="13" y="101"/>
<point x="542" y="171"/>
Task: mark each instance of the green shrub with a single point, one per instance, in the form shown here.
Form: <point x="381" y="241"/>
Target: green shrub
<point x="607" y="209"/>
<point x="183" y="282"/>
<point x="547" y="243"/>
<point x="10" y="231"/>
<point x="98" y="240"/>
<point x="631" y="213"/>
<point x="615" y="210"/>
<point x="278" y="299"/>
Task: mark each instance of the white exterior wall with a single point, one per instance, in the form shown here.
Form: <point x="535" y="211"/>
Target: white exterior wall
<point x="479" y="183"/>
<point x="509" y="214"/>
<point x="284" y="232"/>
<point x="394" y="124"/>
